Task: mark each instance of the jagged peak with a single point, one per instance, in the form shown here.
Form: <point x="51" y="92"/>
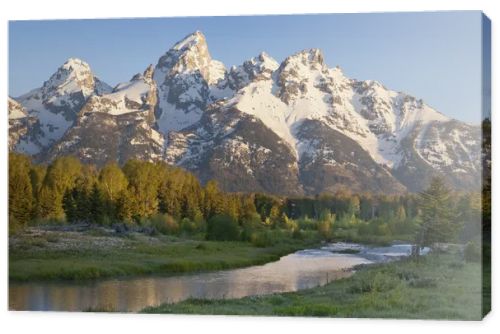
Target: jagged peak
<point x="75" y="64"/>
<point x="190" y="41"/>
<point x="267" y="61"/>
<point x="307" y="57"/>
<point x="371" y="86"/>
<point x="256" y="68"/>
<point x="338" y="69"/>
<point x="188" y="55"/>
<point x="262" y="62"/>
<point x="73" y="70"/>
<point x="147" y="75"/>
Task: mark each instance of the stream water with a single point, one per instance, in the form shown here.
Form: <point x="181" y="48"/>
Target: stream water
<point x="300" y="270"/>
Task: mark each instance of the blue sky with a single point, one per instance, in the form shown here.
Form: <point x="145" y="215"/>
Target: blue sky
<point x="435" y="56"/>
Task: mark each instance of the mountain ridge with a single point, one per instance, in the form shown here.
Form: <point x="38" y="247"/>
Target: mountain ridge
<point x="190" y="110"/>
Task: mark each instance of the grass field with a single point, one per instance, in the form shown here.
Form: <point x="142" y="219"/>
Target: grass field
<point x="437" y="287"/>
<point x="49" y="255"/>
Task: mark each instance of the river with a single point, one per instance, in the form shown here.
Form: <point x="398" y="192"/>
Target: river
<point x="300" y="270"/>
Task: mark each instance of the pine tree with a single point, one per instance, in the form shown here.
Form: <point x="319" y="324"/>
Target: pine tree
<point x="61" y="176"/>
<point x="97" y="211"/>
<point x="143" y="179"/>
<point x="212" y="201"/>
<point x="248" y="211"/>
<point x="37" y="175"/>
<point x="70" y="207"/>
<point x="20" y="190"/>
<point x="170" y="190"/>
<point x="112" y="181"/>
<point x="126" y="207"/>
<point x="77" y="201"/>
<point x="437" y="220"/>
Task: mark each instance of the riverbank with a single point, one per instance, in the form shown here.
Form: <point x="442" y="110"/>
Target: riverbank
<point x="44" y="254"/>
<point x="439" y="286"/>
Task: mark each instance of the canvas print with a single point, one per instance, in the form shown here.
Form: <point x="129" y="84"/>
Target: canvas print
<point x="330" y="165"/>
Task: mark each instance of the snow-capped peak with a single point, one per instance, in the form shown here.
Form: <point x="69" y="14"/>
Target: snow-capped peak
<point x="185" y="76"/>
<point x="257" y="68"/>
<point x="310" y="58"/>
<point x="57" y="103"/>
<point x="75" y="64"/>
<point x="266" y="61"/>
<point x="188" y="55"/>
<point x="314" y="118"/>
<point x="74" y="75"/>
<point x="190" y="41"/>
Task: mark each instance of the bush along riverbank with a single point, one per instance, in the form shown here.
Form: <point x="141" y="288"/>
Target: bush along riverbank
<point x="437" y="286"/>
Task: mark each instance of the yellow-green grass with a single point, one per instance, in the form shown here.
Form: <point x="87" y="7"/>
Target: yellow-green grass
<point x="436" y="287"/>
<point x="53" y="257"/>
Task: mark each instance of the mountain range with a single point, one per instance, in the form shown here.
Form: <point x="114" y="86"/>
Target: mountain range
<point x="293" y="128"/>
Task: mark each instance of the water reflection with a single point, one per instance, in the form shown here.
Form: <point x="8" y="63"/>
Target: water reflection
<point x="297" y="271"/>
<point x="301" y="270"/>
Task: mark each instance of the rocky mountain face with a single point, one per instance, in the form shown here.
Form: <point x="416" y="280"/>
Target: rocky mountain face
<point x="293" y="128"/>
<point x="185" y="76"/>
<point x="56" y="104"/>
<point x="115" y="126"/>
<point x="19" y="123"/>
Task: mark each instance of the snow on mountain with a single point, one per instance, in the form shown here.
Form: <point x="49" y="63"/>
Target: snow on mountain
<point x="322" y="129"/>
<point x="116" y="126"/>
<point x="56" y="104"/>
<point x="304" y="88"/>
<point x="257" y="68"/>
<point x="16" y="110"/>
<point x="100" y="87"/>
<point x="184" y="76"/>
<point x="137" y="94"/>
<point x="380" y="120"/>
<point x="238" y="151"/>
<point x="19" y="123"/>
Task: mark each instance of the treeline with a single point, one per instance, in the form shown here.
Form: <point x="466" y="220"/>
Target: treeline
<point x="171" y="200"/>
<point x="69" y="190"/>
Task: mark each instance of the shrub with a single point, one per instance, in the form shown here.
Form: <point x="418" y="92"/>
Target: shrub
<point x="325" y="229"/>
<point x="298" y="235"/>
<point x="380" y="282"/>
<point x="307" y="224"/>
<point x="223" y="228"/>
<point x="266" y="238"/>
<point x="164" y="223"/>
<point x="261" y="239"/>
<point x="251" y="225"/>
<point x="407" y="226"/>
<point x="383" y="229"/>
<point x="192" y="226"/>
<point x="384" y="282"/>
<point x="287" y="223"/>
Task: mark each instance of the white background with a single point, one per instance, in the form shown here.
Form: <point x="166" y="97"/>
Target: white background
<point x="49" y="322"/>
